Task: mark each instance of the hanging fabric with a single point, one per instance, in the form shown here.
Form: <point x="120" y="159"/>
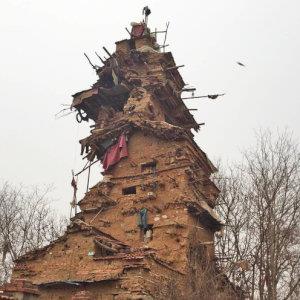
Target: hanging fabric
<point x="115" y="152"/>
<point x="74" y="185"/>
<point x="73" y="203"/>
<point x="137" y="29"/>
<point x="143" y="219"/>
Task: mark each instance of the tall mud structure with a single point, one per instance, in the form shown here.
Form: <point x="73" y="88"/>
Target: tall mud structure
<point x="146" y="230"/>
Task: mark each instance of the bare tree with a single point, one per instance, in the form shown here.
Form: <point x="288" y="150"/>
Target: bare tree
<point x="233" y="244"/>
<point x="260" y="205"/>
<point x="26" y="223"/>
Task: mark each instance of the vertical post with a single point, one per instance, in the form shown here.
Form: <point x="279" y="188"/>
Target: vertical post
<point x="75" y="199"/>
<point x="166" y="32"/>
<point x="88" y="180"/>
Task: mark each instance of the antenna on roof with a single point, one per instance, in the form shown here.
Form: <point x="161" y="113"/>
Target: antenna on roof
<point x="146" y="12"/>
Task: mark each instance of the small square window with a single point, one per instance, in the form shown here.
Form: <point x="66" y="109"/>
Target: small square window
<point x="149" y="166"/>
<point x="129" y="190"/>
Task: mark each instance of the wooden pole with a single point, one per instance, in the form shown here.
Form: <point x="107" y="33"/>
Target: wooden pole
<point x="88" y="180"/>
<point x="84" y="168"/>
<point x="100" y="57"/>
<point x="207" y="96"/>
<point x="107" y="51"/>
<point x="128" y="31"/>
<point x="175" y="67"/>
<point x="93" y="66"/>
<point x="188" y="90"/>
<point x="97" y="214"/>
<point x="197" y="97"/>
<point x="167" y="27"/>
<point x="163" y="31"/>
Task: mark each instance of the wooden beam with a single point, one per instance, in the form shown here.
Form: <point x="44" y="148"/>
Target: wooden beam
<point x="188" y="90"/>
<point x="164" y="46"/>
<point x="107" y="51"/>
<point x="194" y="97"/>
<point x="93" y="66"/>
<point x="85" y="167"/>
<point x="175" y="67"/>
<point x="215" y="96"/>
<point x="128" y="31"/>
<point x="100" y="57"/>
<point x="158" y="31"/>
<point x="106" y="247"/>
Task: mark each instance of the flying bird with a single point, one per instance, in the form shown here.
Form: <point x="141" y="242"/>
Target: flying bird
<point x="215" y="96"/>
<point x="239" y="63"/>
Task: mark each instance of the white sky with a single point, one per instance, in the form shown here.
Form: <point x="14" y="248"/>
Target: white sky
<point x="42" y="65"/>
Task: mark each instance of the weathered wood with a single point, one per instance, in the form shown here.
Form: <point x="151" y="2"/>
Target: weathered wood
<point x="175" y="67"/>
<point x="107" y="51"/>
<point x="97" y="214"/>
<point x="215" y="96"/>
<point x="128" y="31"/>
<point x="164" y="44"/>
<point x="193" y="97"/>
<point x="106" y="247"/>
<point x="188" y="90"/>
<point x="162" y="31"/>
<point x="88" y="179"/>
<point x="93" y="66"/>
<point x="85" y="167"/>
<point x="100" y="57"/>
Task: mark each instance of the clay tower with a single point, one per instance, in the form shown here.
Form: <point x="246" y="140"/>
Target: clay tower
<point x="148" y="226"/>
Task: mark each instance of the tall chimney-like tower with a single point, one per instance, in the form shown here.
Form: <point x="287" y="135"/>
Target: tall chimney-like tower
<point x="146" y="231"/>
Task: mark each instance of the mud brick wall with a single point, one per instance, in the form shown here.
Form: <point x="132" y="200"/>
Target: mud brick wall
<point x="149" y="222"/>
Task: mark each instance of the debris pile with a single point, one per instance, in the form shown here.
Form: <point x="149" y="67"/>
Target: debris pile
<point x="137" y="227"/>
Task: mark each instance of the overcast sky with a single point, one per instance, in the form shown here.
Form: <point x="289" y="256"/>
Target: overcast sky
<point x="42" y="65"/>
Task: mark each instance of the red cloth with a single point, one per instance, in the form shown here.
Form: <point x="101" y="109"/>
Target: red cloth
<point x="115" y="152"/>
<point x="137" y="30"/>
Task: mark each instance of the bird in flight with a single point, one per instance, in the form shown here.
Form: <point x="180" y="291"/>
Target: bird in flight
<point x="239" y="63"/>
<point x="215" y="96"/>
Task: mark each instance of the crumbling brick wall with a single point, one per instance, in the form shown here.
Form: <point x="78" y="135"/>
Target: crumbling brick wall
<point x="147" y="227"/>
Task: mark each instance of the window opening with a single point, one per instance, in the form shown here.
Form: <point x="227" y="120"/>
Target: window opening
<point x="149" y="166"/>
<point x="131" y="190"/>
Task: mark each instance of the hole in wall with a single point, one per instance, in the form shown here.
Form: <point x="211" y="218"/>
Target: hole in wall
<point x="148" y="166"/>
<point x="129" y="190"/>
